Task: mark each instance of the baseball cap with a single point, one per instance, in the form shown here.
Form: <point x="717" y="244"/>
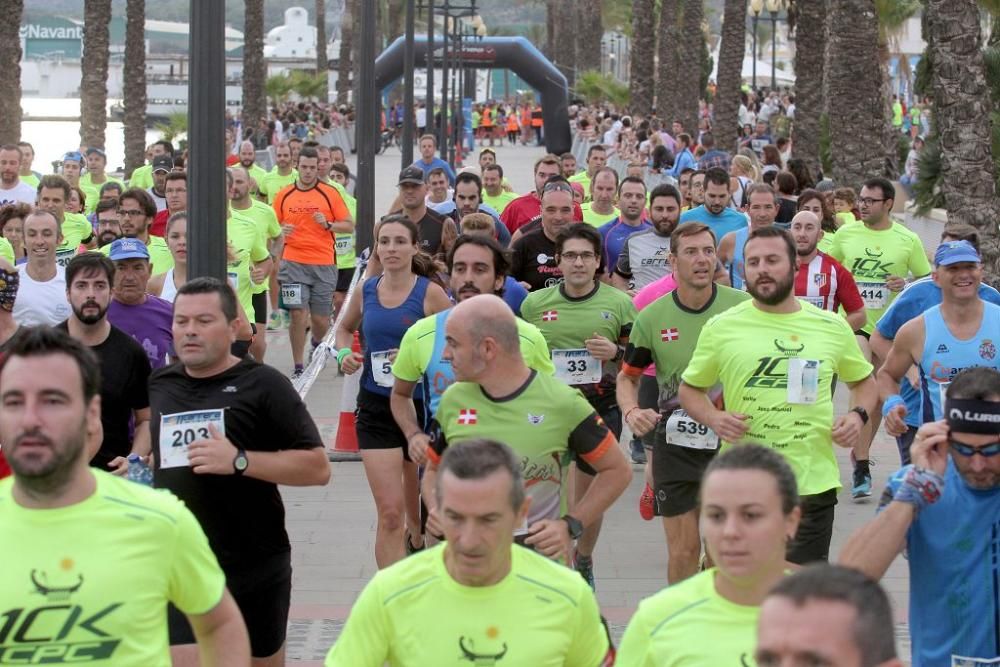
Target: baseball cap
<point x="411" y="175"/>
<point x="128" y="248"/>
<point x="94" y="150"/>
<point x="162" y="163"/>
<point x="72" y="156"/>
<point x="953" y="252"/>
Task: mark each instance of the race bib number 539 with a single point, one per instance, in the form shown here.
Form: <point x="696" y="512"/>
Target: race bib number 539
<point x="682" y="430"/>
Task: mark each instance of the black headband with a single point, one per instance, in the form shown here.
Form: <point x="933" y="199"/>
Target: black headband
<point x="973" y="416"/>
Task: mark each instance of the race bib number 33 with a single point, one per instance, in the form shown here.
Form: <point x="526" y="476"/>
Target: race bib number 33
<point x="576" y="366"/>
<point x="179" y="430"/>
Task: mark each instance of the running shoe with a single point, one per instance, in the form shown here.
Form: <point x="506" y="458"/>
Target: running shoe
<point x="862" y="484"/>
<point x="647" y="504"/>
<point x="297" y="373"/>
<point x="585" y="566"/>
<point x="274" y="320"/>
<point x="637" y="451"/>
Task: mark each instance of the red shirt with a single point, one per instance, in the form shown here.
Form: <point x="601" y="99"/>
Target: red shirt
<point x="826" y="284"/>
<point x="159" y="226"/>
<point x="4" y="468"/>
<point x="526" y="208"/>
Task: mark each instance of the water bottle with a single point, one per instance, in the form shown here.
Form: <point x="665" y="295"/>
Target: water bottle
<point x="138" y="471"/>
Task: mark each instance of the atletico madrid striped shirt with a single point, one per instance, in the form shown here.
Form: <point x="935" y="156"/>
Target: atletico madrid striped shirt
<point x="826" y="284"/>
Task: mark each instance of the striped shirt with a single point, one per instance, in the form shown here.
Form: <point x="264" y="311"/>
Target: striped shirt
<point x="826" y="284"/>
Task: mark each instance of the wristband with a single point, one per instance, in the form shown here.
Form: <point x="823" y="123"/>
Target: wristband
<point x="920" y="488"/>
<point x="629" y="411"/>
<point x="891" y="403"/>
<point x="344" y="351"/>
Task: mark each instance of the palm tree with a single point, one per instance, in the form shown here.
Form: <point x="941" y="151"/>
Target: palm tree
<point x="10" y="73"/>
<point x="811" y="36"/>
<point x="689" y="82"/>
<point x="277" y="88"/>
<point x="641" y="56"/>
<point x="564" y="40"/>
<point x="322" y="65"/>
<point x="94" y="65"/>
<point x="668" y="52"/>
<point x="344" y="59"/>
<point x="306" y="85"/>
<point x="731" y="51"/>
<point x="858" y="108"/>
<point x="589" y="31"/>
<point x="962" y="109"/>
<point x="254" y="67"/>
<point x="597" y="88"/>
<point x="134" y="81"/>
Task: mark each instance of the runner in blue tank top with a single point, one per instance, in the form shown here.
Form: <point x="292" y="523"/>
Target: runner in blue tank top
<point x="383" y="309"/>
<point x="963" y="332"/>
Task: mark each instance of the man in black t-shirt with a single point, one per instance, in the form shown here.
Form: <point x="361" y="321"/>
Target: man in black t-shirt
<point x="437" y="232"/>
<point x="226" y="433"/>
<point x="124" y="364"/>
<point x="533" y="256"/>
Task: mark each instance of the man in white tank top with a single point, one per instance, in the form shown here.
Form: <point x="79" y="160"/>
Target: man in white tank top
<point x="41" y="298"/>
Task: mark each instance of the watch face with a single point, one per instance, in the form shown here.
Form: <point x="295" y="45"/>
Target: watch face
<point x="241" y="462"/>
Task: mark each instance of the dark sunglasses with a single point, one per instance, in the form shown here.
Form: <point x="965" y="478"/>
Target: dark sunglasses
<point x="987" y="451"/>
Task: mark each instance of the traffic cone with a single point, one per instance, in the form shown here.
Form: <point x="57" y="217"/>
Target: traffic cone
<point x="345" y="447"/>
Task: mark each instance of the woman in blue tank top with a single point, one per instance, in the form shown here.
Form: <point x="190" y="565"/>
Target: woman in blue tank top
<point x="383" y="309"/>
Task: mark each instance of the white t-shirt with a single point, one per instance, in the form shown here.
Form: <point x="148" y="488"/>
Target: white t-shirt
<point x="22" y="192"/>
<point x="41" y="302"/>
<point x="161" y="202"/>
<point x="422" y="117"/>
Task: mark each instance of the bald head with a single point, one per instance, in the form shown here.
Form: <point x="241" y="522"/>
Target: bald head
<point x="807" y="230"/>
<point x="247" y="154"/>
<point x="485" y="316"/>
<point x="804" y="217"/>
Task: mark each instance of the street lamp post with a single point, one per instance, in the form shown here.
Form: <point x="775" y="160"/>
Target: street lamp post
<point x="408" y="58"/>
<point x="756" y="6"/>
<point x="773" y="7"/>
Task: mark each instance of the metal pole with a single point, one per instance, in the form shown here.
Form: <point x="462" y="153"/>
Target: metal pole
<point x="755" y="19"/>
<point x="774" y="52"/>
<point x="443" y="130"/>
<point x="456" y="91"/>
<point x="206" y="168"/>
<point x="408" y="56"/>
<point x="429" y="127"/>
<point x="367" y="130"/>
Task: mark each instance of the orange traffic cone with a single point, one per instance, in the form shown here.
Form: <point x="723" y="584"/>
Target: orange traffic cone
<point x="345" y="447"/>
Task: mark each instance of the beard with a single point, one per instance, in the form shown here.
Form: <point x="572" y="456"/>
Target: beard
<point x="91" y="317"/>
<point x="44" y="476"/>
<point x="665" y="227"/>
<point x="104" y="238"/>
<point x="782" y="288"/>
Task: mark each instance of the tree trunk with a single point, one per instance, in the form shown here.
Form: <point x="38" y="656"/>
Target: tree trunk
<point x="254" y="67"/>
<point x="962" y="120"/>
<point x="94" y="80"/>
<point x="810" y="42"/>
<point x="344" y="58"/>
<point x="551" y="11"/>
<point x="322" y="64"/>
<point x="564" y="43"/>
<point x="641" y="56"/>
<point x="689" y="81"/>
<point x="10" y="73"/>
<point x="589" y="31"/>
<point x="858" y="117"/>
<point x="727" y="97"/>
<point x="669" y="57"/>
<point x="134" y="81"/>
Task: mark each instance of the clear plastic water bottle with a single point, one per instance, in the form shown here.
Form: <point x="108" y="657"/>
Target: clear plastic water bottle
<point x="138" y="471"/>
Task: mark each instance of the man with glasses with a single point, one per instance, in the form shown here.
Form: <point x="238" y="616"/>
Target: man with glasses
<point x="879" y="254"/>
<point x="136" y="211"/>
<point x="943" y="510"/>
<point x="108" y="226"/>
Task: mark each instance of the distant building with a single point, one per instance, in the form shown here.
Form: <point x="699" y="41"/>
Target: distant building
<point x="296" y="38"/>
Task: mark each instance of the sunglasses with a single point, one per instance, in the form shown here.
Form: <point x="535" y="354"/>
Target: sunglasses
<point x="987" y="451"/>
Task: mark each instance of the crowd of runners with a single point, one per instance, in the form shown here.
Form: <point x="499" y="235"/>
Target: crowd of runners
<point x="509" y="343"/>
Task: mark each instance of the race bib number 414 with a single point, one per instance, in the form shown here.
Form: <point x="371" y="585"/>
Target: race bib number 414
<point x="875" y="295"/>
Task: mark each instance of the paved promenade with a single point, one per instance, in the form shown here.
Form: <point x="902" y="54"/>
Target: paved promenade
<point x="333" y="529"/>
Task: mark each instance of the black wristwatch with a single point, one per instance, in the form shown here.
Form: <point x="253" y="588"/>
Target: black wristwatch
<point x="241" y="462"/>
<point x="575" y="527"/>
<point x="861" y="412"/>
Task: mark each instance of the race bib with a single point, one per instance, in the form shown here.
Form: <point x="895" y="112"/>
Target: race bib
<point x="344" y="244"/>
<point x="576" y="366"/>
<point x="234" y="281"/>
<point x="64" y="256"/>
<point x="875" y="295"/>
<point x="179" y="430"/>
<point x="382" y="368"/>
<point x="803" y="380"/>
<point x="291" y="294"/>
<point x="961" y="661"/>
<point x="682" y="430"/>
<point x="818" y="301"/>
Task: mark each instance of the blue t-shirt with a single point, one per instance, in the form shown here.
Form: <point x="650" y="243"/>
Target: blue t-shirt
<point x="915" y="298"/>
<point x="728" y="221"/>
<point x="502" y="234"/>
<point x="434" y="164"/>
<point x="954" y="597"/>
<point x="514" y="294"/>
<point x="613" y="237"/>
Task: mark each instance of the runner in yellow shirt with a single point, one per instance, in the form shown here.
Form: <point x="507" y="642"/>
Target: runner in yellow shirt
<point x="98" y="557"/>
